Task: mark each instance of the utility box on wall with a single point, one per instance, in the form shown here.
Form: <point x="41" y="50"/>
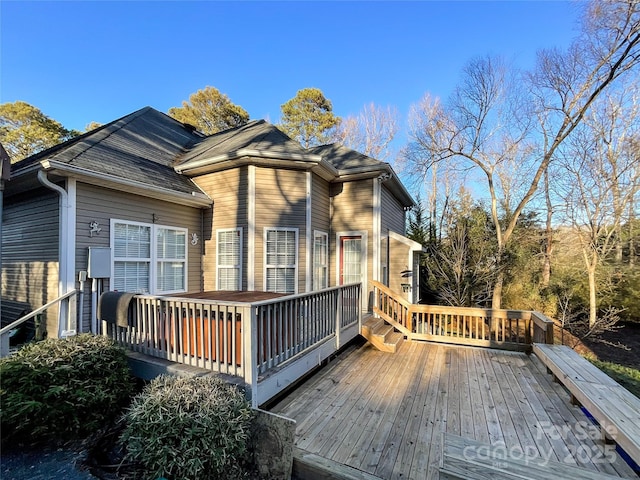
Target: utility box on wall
<point x="99" y="262"/>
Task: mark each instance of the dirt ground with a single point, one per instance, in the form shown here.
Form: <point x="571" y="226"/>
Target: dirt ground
<point x="628" y="336"/>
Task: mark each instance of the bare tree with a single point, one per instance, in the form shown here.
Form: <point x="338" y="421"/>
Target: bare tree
<point x="598" y="178"/>
<point x="370" y="132"/>
<point x="486" y="124"/>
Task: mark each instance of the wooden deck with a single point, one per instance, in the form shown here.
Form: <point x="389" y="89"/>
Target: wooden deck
<point x="385" y="413"/>
<point x="231" y="296"/>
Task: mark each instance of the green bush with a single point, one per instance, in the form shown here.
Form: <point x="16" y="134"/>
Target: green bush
<point x="63" y="388"/>
<point x="188" y="428"/>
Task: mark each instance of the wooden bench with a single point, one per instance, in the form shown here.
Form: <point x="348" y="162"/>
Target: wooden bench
<point x="615" y="408"/>
<point x="466" y="459"/>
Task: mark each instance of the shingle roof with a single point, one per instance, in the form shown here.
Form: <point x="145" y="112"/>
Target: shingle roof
<point x="149" y="148"/>
<point x="350" y="163"/>
<point x="256" y="135"/>
<point x="345" y="159"/>
<point x="141" y="146"/>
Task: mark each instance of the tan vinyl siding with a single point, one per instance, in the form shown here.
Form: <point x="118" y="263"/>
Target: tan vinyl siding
<point x="392" y="217"/>
<point x="352" y="210"/>
<point x="320" y="205"/>
<point x="101" y="205"/>
<point x="392" y="213"/>
<point x="30" y="252"/>
<point x="399" y="261"/>
<point x="228" y="189"/>
<point x="281" y="201"/>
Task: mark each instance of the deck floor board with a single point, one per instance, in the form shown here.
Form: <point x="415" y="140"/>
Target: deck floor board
<point x="385" y="413"/>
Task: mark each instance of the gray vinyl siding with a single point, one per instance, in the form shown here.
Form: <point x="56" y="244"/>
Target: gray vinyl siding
<point x="30" y="229"/>
<point x="229" y="190"/>
<point x="352" y="209"/>
<point x="101" y="205"/>
<point x="281" y="202"/>
<point x="392" y="213"/>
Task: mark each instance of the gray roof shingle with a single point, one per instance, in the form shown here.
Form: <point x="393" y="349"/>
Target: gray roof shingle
<point x="256" y="135"/>
<point x="345" y="159"/>
<point x="141" y="146"/>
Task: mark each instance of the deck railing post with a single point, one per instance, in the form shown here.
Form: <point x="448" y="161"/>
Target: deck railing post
<point x="338" y="315"/>
<point x="250" y="351"/>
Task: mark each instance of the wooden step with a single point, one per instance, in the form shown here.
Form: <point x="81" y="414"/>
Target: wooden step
<point x="382" y="335"/>
<point x="371" y="325"/>
<point x="466" y="459"/>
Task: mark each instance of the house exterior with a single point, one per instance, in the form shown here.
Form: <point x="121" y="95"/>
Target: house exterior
<point x="147" y="204"/>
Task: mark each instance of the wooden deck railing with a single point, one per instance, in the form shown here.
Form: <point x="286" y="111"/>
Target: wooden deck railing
<point x="289" y="325"/>
<point x="256" y="341"/>
<point x="201" y="333"/>
<point x="507" y="329"/>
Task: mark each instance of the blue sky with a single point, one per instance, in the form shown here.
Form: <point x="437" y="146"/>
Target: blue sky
<point x="97" y="61"/>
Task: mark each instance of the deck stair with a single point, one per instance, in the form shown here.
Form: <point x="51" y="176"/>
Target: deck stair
<point x="382" y="335"/>
<point x="466" y="459"/>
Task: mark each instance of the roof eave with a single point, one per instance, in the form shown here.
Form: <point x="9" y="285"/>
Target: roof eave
<point x="412" y="244"/>
<point x="247" y="156"/>
<point x="192" y="165"/>
<point x="384" y="173"/>
<point x="195" y="199"/>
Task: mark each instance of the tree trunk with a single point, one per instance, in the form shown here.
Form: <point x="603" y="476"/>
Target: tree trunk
<point x="632" y="249"/>
<point x="548" y="247"/>
<point x="593" y="313"/>
<point x="496" y="300"/>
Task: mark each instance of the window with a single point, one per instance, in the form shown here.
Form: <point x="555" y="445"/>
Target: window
<point x="148" y="258"/>
<point x="171" y="253"/>
<point x="320" y="260"/>
<point x="281" y="258"/>
<point x="350" y="259"/>
<point x="229" y="254"/>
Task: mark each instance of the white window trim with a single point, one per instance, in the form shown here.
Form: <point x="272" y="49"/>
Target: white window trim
<point x="239" y="266"/>
<point x="153" y="260"/>
<point x="319" y="233"/>
<point x="264" y="248"/>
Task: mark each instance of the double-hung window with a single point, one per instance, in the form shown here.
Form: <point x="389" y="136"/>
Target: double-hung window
<point x="148" y="258"/>
<point x="229" y="259"/>
<point x="320" y="260"/>
<point x="281" y="259"/>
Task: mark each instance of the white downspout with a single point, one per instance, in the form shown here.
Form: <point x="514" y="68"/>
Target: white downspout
<point x="66" y="246"/>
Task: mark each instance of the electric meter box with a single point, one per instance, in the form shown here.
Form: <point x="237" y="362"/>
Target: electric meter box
<point x="99" y="262"/>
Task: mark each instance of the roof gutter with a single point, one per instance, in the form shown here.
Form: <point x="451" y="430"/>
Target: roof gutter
<point x="197" y="198"/>
<point x="250" y="152"/>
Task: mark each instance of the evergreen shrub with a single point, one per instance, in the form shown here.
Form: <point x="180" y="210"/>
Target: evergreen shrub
<point x="189" y="428"/>
<point x="63" y="388"/>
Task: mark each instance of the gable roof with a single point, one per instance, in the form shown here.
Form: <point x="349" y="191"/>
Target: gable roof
<point x="256" y="142"/>
<point x="352" y="165"/>
<point x="348" y="161"/>
<point x="135" y="152"/>
<point x="256" y="135"/>
<point x="151" y="154"/>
